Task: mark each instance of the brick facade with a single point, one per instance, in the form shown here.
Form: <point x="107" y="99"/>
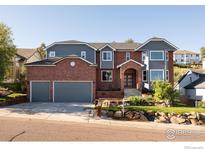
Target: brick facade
<point x="63" y="71"/>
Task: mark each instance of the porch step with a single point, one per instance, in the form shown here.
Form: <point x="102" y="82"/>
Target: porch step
<point x="131" y="92"/>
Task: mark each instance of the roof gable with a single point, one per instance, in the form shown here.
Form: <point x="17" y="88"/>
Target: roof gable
<point x="157" y="44"/>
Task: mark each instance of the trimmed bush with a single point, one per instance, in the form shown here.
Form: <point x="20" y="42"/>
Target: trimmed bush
<point x="136" y="100"/>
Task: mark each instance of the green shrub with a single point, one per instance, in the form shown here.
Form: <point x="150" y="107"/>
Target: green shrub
<point x="201" y="104"/>
<point x="12" y="86"/>
<point x="164" y="91"/>
<point x="136" y="100"/>
<point x="13" y="95"/>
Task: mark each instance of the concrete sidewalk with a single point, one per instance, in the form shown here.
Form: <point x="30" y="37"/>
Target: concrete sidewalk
<point x="86" y="118"/>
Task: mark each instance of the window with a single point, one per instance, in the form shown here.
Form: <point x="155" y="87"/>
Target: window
<point x="144" y="75"/>
<point x="182" y="60"/>
<point x="156" y="74"/>
<point x="167" y="75"/>
<point x="83" y="54"/>
<point x="144" y="55"/>
<point x="52" y="54"/>
<point x="157" y="55"/>
<point x="106" y="76"/>
<point x="107" y="55"/>
<point x="127" y="56"/>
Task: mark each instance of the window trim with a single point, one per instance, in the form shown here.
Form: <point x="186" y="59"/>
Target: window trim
<point x="127" y="55"/>
<point x="52" y="52"/>
<point x="143" y="75"/>
<point x="162" y="51"/>
<point x="83" y="52"/>
<point x="110" y="56"/>
<point x="167" y="75"/>
<point x="156" y="70"/>
<point x="102" y="75"/>
<point x="144" y="54"/>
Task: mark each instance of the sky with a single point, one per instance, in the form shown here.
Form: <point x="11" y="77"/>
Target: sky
<point x="184" y="26"/>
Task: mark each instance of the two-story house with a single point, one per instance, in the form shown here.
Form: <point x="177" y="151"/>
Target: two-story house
<point x="186" y="57"/>
<point x="77" y="71"/>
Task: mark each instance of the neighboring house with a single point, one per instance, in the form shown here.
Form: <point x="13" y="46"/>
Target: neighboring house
<point x="192" y="85"/>
<point x="77" y="71"/>
<point x="23" y="56"/>
<point x="186" y="57"/>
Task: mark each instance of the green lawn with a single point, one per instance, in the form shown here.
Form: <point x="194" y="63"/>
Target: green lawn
<point x="160" y="109"/>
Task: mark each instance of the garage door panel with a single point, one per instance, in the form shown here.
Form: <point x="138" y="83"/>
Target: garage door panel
<point x="40" y="91"/>
<point x="72" y="91"/>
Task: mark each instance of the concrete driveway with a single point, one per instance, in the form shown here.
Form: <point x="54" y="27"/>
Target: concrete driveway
<point x="48" y="110"/>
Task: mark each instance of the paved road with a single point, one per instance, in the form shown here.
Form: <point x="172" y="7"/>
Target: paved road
<point x="22" y="129"/>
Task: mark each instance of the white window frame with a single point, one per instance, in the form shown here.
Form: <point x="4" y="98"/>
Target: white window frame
<point x="103" y="55"/>
<point x="167" y="75"/>
<point x="143" y="75"/>
<point x="52" y="52"/>
<point x="128" y="56"/>
<point x="102" y="75"/>
<point x="156" y="70"/>
<point x="152" y="51"/>
<point x="83" y="53"/>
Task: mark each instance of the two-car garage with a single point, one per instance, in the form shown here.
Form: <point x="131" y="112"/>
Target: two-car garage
<point x="61" y="91"/>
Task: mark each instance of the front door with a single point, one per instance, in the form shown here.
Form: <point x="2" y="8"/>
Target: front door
<point x="129" y="80"/>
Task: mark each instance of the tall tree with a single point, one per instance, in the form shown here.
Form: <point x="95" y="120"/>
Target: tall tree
<point x="202" y="52"/>
<point x="41" y="50"/>
<point x="130" y="40"/>
<point x="7" y="49"/>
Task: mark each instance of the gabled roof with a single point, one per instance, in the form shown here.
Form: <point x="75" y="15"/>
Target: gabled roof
<point x="107" y="45"/>
<point x="49" y="61"/>
<point x="180" y="52"/>
<point x="196" y="71"/>
<point x="156" y="39"/>
<point x="198" y="84"/>
<point x="25" y="52"/>
<point x="54" y="61"/>
<point x="131" y="60"/>
<point x="70" y="42"/>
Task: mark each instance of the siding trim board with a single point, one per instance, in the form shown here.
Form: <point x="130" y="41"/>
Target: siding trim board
<point x="118" y="66"/>
<point x="107" y="45"/>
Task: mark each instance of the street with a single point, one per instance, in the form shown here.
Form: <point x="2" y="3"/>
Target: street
<point x="23" y="129"/>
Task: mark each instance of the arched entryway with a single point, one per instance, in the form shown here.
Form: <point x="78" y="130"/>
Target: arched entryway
<point x="130" y="78"/>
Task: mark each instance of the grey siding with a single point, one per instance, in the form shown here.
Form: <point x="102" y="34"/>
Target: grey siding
<point x="40" y="91"/>
<point x="72" y="92"/>
<point x="107" y="64"/>
<point x="156" y="45"/>
<point x="63" y="50"/>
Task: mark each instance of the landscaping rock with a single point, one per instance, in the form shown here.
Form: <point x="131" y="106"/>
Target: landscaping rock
<point x="110" y="113"/>
<point x="143" y="118"/>
<point x="202" y="116"/>
<point x="118" y="114"/>
<point x="136" y="116"/>
<point x="103" y="113"/>
<point x="200" y="122"/>
<point x="194" y="121"/>
<point x="177" y="120"/>
<point x="129" y="115"/>
<point x="193" y="115"/>
<point x="162" y="119"/>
